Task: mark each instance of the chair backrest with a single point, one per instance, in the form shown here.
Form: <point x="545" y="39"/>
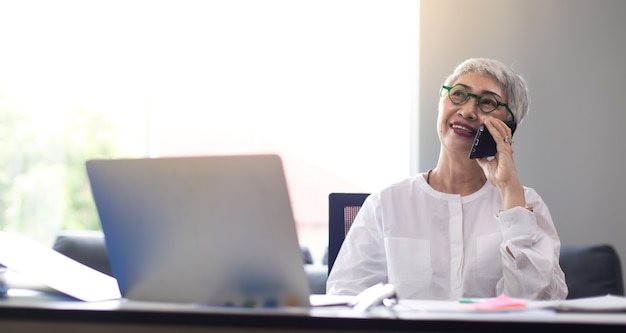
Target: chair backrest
<point x="342" y="209"/>
<point x="592" y="270"/>
<point x="86" y="247"/>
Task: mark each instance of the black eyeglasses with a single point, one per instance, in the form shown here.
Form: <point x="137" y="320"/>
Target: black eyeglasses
<point x="487" y="103"/>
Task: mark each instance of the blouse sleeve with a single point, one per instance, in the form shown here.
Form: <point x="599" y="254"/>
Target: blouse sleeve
<point x="533" y="270"/>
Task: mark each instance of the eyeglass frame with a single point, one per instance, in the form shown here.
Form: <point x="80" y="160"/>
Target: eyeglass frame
<point x="478" y="98"/>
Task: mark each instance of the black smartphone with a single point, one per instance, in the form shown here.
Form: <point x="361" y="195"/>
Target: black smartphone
<point x="484" y="145"/>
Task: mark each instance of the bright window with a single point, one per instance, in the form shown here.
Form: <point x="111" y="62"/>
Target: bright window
<point x="328" y="85"/>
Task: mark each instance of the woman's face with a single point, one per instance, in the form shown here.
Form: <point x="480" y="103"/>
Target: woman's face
<point x="457" y="124"/>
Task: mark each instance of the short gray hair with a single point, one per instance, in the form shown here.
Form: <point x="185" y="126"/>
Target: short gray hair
<point x="512" y="84"/>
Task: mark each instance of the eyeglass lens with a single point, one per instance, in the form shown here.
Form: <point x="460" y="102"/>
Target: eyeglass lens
<point x="459" y="95"/>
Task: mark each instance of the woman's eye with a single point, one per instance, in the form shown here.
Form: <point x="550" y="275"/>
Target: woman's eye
<point x="458" y="93"/>
<point x="489" y="102"/>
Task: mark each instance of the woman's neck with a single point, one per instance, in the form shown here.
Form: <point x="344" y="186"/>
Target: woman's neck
<point x="459" y="177"/>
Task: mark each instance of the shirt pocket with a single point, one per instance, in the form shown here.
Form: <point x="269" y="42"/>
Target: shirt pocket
<point x="488" y="257"/>
<point x="408" y="263"/>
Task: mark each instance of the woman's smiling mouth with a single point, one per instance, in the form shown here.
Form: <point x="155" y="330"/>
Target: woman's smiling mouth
<point x="463" y="130"/>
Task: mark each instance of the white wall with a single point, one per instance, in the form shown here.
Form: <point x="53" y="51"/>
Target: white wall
<point x="571" y="146"/>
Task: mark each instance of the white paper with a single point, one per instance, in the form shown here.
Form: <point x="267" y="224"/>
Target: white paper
<point x="51" y="268"/>
<point x="329" y="300"/>
<point x="608" y="303"/>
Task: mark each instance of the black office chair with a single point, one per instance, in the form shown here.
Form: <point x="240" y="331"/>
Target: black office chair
<point x="86" y="247"/>
<point x="592" y="270"/>
<point x="342" y="209"/>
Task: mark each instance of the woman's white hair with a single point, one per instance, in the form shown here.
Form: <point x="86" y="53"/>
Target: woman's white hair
<point x="512" y="84"/>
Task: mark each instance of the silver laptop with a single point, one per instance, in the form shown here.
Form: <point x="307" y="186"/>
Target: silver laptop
<point x="215" y="230"/>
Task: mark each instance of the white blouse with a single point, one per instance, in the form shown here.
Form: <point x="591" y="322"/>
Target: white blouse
<point x="438" y="246"/>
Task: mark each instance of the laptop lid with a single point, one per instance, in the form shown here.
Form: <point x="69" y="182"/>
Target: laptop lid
<point x="215" y="230"/>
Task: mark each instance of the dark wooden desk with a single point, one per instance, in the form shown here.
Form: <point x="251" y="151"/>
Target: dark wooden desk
<point x="61" y="315"/>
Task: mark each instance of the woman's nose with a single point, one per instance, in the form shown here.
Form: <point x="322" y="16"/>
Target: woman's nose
<point x="469" y="111"/>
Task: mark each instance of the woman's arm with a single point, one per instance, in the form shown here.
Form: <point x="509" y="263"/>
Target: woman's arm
<point x="530" y="252"/>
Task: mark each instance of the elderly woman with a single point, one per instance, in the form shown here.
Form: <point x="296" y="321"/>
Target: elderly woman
<point x="467" y="227"/>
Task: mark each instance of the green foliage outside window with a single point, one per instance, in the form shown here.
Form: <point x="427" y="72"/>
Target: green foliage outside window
<point x="43" y="182"/>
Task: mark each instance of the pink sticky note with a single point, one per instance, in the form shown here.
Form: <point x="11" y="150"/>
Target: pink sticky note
<point x="501" y="302"/>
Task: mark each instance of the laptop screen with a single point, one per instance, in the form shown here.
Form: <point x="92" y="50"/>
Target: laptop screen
<point x="216" y="230"/>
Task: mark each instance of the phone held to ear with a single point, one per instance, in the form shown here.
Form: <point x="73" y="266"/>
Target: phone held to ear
<point x="484" y="145"/>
